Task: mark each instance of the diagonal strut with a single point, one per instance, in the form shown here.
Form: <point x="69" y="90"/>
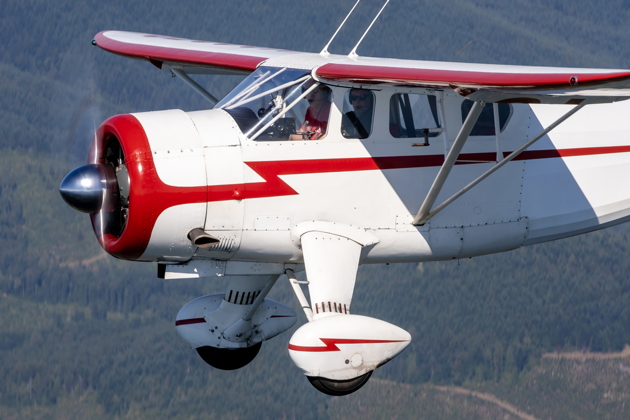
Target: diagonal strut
<point x="450" y="160"/>
<point x="422" y="218"/>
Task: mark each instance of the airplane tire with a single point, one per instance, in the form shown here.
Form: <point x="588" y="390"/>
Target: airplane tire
<point x="228" y="359"/>
<point x="338" y="388"/>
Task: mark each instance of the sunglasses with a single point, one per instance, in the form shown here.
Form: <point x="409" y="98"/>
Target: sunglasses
<point x="362" y="97"/>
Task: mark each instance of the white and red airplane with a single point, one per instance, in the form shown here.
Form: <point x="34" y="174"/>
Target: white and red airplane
<point x="318" y="163"/>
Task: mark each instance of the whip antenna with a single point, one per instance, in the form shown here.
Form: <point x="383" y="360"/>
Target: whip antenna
<point x="463" y="48"/>
<point x="325" y="50"/>
<point x="353" y="53"/>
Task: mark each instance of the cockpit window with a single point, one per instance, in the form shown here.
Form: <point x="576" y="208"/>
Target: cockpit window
<point x="413" y="115"/>
<point x="279" y="104"/>
<point x="358" y="111"/>
<point x="485" y="123"/>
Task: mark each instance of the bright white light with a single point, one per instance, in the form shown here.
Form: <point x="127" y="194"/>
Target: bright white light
<point x="86" y="183"/>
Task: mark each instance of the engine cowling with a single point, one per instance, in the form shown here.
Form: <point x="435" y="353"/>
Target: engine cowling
<point x="161" y="185"/>
<point x="153" y="172"/>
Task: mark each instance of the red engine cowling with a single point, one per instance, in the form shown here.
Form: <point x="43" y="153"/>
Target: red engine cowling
<point x="161" y="180"/>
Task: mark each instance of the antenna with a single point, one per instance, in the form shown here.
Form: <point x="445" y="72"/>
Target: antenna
<point x="463" y="48"/>
<point x="353" y="53"/>
<point x="325" y="52"/>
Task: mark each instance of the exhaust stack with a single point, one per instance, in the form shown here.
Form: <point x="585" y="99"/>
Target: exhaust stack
<point x="201" y="239"/>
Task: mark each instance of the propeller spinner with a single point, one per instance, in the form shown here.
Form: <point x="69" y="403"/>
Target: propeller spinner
<point x="88" y="187"/>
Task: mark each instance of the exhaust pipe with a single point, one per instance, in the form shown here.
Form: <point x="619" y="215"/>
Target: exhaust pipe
<point x="201" y="239"/>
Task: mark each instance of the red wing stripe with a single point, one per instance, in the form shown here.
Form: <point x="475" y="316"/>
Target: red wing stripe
<point x="216" y="59"/>
<point x="331" y="344"/>
<point x="479" y="78"/>
<point x="189" y="321"/>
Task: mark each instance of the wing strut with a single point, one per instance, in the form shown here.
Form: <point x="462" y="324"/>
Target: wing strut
<point x="190" y="82"/>
<point x="324" y="51"/>
<point x="451" y="158"/>
<point x="424" y="214"/>
<point x="353" y="53"/>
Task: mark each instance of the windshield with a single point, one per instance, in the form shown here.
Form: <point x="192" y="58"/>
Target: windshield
<point x="267" y="104"/>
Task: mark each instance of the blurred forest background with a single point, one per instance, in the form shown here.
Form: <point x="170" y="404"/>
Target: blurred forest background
<point x="87" y="336"/>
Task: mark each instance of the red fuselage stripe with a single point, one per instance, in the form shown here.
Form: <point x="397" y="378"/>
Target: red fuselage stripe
<point x="273" y="186"/>
<point x="331" y="344"/>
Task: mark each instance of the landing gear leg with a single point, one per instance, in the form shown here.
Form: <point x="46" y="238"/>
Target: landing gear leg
<point x="338" y="351"/>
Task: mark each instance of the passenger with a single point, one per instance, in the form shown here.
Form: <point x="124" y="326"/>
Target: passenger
<point x="316" y="118"/>
<point x="358" y="123"/>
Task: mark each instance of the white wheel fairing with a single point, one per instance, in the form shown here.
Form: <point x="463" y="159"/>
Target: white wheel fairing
<point x="202" y="321"/>
<point x="343" y="347"/>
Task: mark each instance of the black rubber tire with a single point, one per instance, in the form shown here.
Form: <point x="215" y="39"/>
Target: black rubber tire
<point x="228" y="359"/>
<point x="338" y="388"/>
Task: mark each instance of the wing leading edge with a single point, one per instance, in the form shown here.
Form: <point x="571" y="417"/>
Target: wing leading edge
<point x="201" y="57"/>
<point x="486" y="82"/>
<point x="478" y="82"/>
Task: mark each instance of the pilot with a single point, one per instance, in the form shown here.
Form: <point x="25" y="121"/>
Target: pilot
<point x="316" y="117"/>
<point x="358" y="123"/>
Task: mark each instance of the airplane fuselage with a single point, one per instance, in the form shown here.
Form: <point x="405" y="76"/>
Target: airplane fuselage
<point x="258" y="191"/>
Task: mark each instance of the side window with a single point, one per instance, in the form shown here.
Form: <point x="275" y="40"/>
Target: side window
<point x="358" y="112"/>
<point x="485" y="123"/>
<point x="413" y="115"/>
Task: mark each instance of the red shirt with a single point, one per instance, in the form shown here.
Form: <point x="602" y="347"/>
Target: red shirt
<point x="316" y="123"/>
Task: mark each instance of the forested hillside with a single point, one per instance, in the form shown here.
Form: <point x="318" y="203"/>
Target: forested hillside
<point x="87" y="336"/>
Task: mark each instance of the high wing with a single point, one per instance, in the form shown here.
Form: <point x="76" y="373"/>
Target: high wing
<point x="192" y="56"/>
<point x="478" y="82"/>
<point x="486" y="82"/>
